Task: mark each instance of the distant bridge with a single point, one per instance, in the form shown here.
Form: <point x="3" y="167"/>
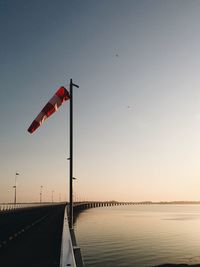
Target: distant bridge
<point x="83" y="204"/>
<point x="96" y="204"/>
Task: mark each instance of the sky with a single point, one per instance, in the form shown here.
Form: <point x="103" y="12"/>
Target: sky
<point x="136" y="113"/>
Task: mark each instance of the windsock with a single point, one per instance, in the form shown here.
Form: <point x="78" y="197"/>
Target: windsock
<point x="54" y="103"/>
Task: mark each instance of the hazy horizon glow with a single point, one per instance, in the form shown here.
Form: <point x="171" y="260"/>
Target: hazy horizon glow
<point x="136" y="113"/>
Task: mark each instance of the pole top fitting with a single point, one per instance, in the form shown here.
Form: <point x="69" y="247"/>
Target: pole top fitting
<point x="73" y="84"/>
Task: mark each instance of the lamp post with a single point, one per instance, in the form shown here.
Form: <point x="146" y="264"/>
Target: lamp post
<point x="71" y="155"/>
<point x="41" y="193"/>
<point x="15" y="187"/>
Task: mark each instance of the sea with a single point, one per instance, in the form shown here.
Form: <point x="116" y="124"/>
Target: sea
<point x="139" y="235"/>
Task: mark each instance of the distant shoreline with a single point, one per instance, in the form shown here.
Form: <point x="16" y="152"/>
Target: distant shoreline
<point x="169" y="202"/>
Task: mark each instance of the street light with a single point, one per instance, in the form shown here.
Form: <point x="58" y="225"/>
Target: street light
<point x="15" y="187"/>
<point x="41" y="193"/>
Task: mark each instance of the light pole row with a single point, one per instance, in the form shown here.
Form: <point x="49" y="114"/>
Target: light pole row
<point x="41" y="189"/>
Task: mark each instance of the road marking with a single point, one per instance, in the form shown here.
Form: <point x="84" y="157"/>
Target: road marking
<point x="15" y="235"/>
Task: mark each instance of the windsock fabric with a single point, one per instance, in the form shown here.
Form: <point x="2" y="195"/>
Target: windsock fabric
<point x="54" y="103"/>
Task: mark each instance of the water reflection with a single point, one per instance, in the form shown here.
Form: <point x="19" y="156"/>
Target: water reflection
<point x="139" y="235"/>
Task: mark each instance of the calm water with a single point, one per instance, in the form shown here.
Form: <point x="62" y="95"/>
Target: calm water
<point x="139" y="235"/>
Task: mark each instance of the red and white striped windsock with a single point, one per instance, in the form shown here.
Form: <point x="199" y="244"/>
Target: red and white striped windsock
<point x="54" y="103"/>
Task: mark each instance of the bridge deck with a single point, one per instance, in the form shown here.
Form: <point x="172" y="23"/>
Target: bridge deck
<point x="31" y="237"/>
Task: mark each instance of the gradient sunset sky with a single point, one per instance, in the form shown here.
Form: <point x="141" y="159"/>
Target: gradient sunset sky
<point x="136" y="113"/>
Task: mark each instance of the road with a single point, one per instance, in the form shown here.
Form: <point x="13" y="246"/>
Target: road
<point x="31" y="237"/>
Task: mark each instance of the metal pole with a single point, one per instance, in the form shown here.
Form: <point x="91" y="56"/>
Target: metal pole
<point x="71" y="157"/>
<point x="15" y="193"/>
<point x="41" y="193"/>
<point x="15" y="187"/>
<point x="15" y="200"/>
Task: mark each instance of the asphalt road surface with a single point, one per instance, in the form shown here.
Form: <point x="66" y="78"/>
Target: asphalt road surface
<point x="31" y="237"/>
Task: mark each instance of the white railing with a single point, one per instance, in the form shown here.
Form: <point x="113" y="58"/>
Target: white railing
<point x="67" y="250"/>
